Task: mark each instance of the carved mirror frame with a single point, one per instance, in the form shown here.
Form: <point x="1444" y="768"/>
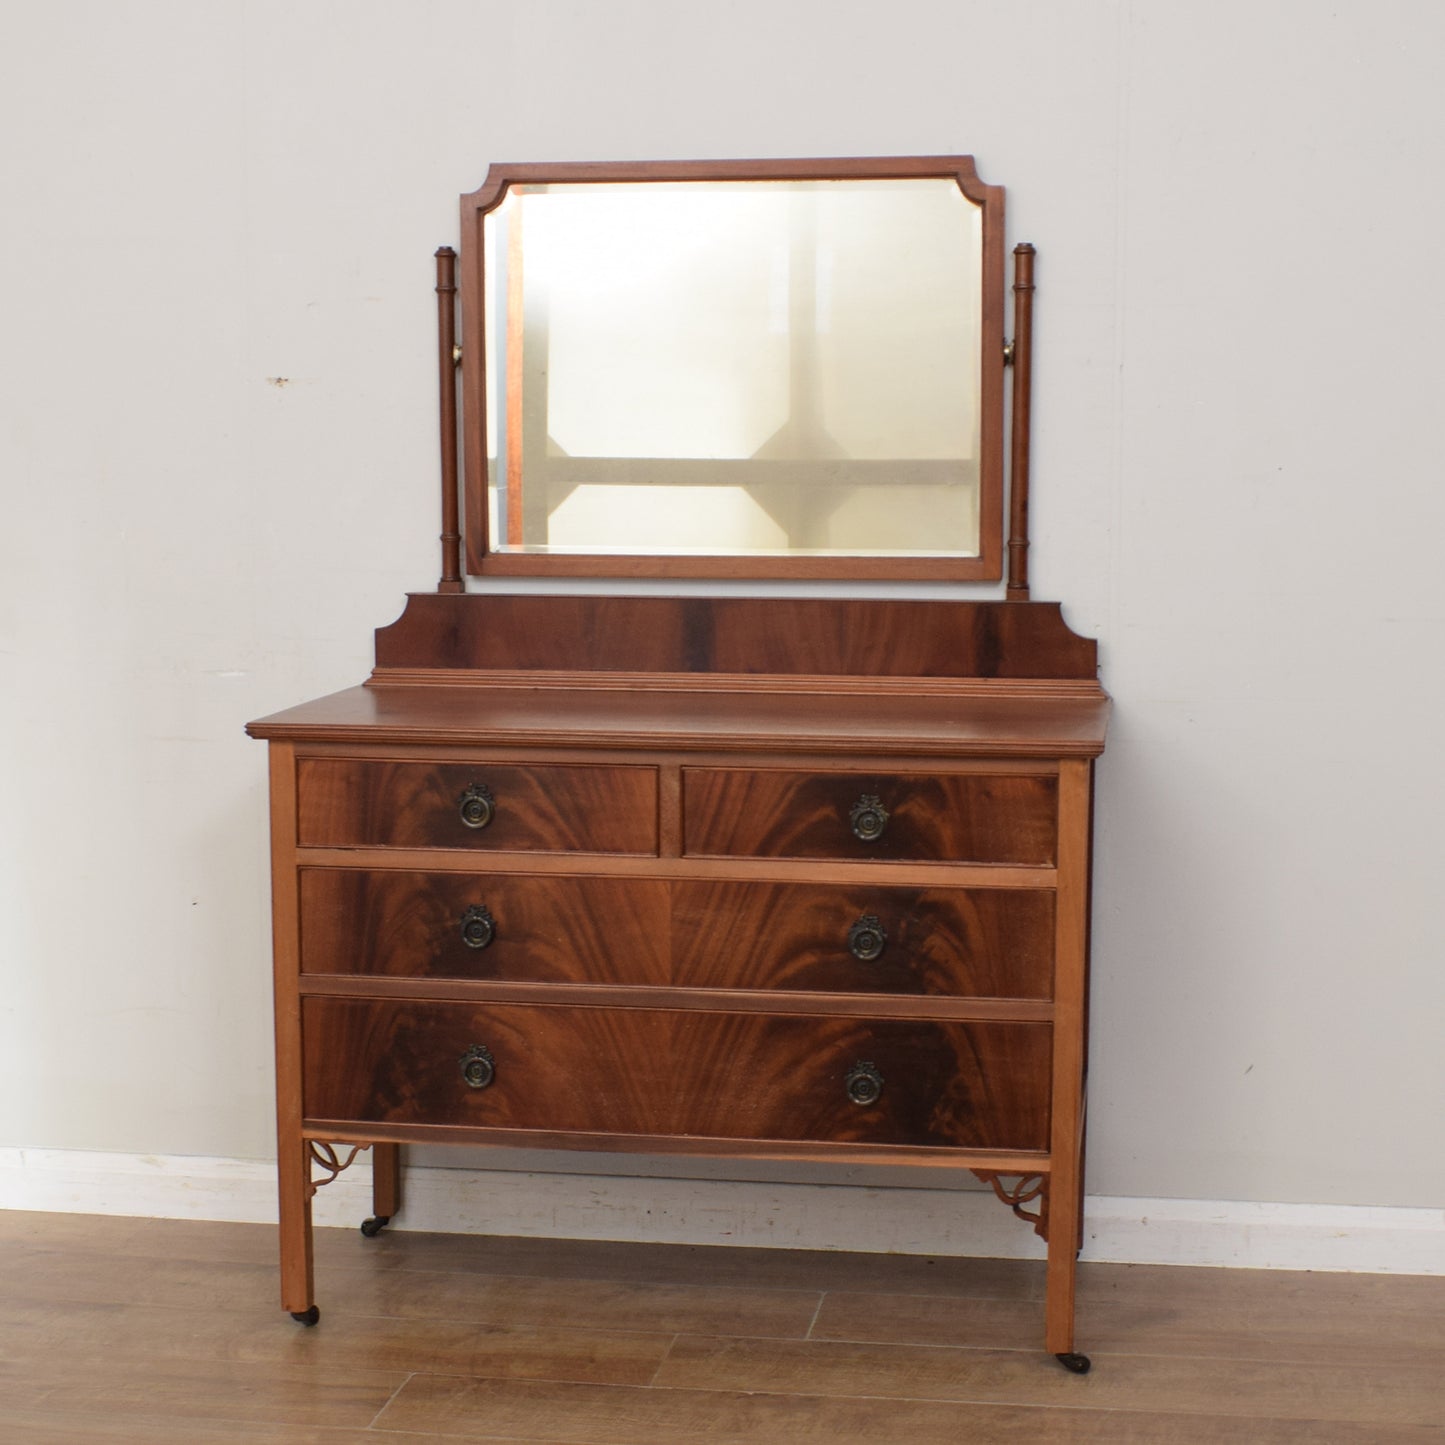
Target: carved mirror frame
<point x="482" y="560"/>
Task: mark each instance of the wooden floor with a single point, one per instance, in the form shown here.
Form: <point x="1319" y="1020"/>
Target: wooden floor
<point x="153" y="1331"/>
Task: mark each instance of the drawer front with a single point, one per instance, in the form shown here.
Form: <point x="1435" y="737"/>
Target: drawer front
<point x="550" y="808"/>
<point x="955" y="817"/>
<point x="483" y="926"/>
<point x="678" y="1072"/>
<point x="975" y="942"/>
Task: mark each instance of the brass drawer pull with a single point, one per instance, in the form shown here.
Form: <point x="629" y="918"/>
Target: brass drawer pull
<point x="477" y="806"/>
<point x="479" y="1068"/>
<point x="864" y="1083"/>
<point x="479" y="928"/>
<point x="868" y="818"/>
<point x="867" y="938"/>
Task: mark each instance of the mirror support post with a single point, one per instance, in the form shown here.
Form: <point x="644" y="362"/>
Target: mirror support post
<point x="447" y="361"/>
<point x="1018" y="541"/>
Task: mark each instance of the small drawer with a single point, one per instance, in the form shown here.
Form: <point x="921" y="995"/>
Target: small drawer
<point x="963" y="942"/>
<point x="548" y="808"/>
<point x="1009" y="818"/>
<point x="567" y="1070"/>
<point x="483" y="926"/>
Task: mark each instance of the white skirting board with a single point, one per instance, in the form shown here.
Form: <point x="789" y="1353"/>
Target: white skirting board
<point x="1363" y="1239"/>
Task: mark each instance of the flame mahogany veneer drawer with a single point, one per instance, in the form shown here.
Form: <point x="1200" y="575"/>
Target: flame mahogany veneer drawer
<point x="577" y="1070"/>
<point x="544" y="807"/>
<point x="545" y="929"/>
<point x="1007" y="818"/>
<point x="944" y="942"/>
<point x="960" y="942"/>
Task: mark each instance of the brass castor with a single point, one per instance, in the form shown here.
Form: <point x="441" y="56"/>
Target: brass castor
<point x="1075" y="1364"/>
<point x="306" y="1317"/>
<point x="372" y="1227"/>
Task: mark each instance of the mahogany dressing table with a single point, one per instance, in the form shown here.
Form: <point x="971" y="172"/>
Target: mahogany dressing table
<point x="786" y="877"/>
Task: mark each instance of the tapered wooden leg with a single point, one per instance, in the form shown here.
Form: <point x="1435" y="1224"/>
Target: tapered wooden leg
<point x="385" y="1187"/>
<point x="1064" y="1237"/>
<point x="1066" y="1142"/>
<point x="298" y="1280"/>
<point x="386" y="1179"/>
<point x="293" y="1155"/>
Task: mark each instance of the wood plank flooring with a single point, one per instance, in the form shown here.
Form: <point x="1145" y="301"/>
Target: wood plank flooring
<point x="154" y="1331"/>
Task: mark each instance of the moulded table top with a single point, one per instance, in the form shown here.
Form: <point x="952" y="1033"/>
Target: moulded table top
<point x="1069" y="721"/>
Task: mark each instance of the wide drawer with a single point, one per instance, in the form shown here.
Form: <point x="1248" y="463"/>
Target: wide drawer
<point x="484" y="926"/>
<point x="967" y="942"/>
<point x="575" y="1070"/>
<point x="951" y="817"/>
<point x="551" y="807"/>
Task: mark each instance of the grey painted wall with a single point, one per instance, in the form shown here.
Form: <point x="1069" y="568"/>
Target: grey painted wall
<point x="218" y="467"/>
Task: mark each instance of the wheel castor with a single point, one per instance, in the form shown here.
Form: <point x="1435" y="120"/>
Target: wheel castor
<point x="372" y="1227"/>
<point x="1075" y="1364"/>
<point x="306" y="1317"/>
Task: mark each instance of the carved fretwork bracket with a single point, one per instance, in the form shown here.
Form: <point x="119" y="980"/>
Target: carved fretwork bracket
<point x="324" y="1154"/>
<point x="1023" y="1190"/>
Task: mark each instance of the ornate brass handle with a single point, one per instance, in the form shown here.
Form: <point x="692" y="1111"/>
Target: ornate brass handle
<point x="478" y="1066"/>
<point x="479" y="928"/>
<point x="866" y="938"/>
<point x="477" y="806"/>
<point x="868" y="818"/>
<point x="864" y="1083"/>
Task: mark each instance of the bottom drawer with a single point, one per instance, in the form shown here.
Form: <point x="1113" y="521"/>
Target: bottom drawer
<point x="572" y="1070"/>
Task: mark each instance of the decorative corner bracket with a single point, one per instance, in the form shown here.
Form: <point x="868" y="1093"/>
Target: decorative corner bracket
<point x="1024" y="1189"/>
<point x="318" y="1151"/>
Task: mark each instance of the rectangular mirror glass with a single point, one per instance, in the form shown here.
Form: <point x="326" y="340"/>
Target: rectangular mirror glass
<point x="720" y="376"/>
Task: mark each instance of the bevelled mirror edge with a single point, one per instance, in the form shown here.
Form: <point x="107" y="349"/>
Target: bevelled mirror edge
<point x="483" y="559"/>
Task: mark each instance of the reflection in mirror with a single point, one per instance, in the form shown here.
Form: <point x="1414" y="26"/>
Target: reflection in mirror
<point x="723" y="368"/>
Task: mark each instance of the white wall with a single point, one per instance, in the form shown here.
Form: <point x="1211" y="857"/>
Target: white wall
<point x="218" y="470"/>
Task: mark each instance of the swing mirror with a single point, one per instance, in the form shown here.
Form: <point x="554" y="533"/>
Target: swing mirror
<point x="744" y="369"/>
